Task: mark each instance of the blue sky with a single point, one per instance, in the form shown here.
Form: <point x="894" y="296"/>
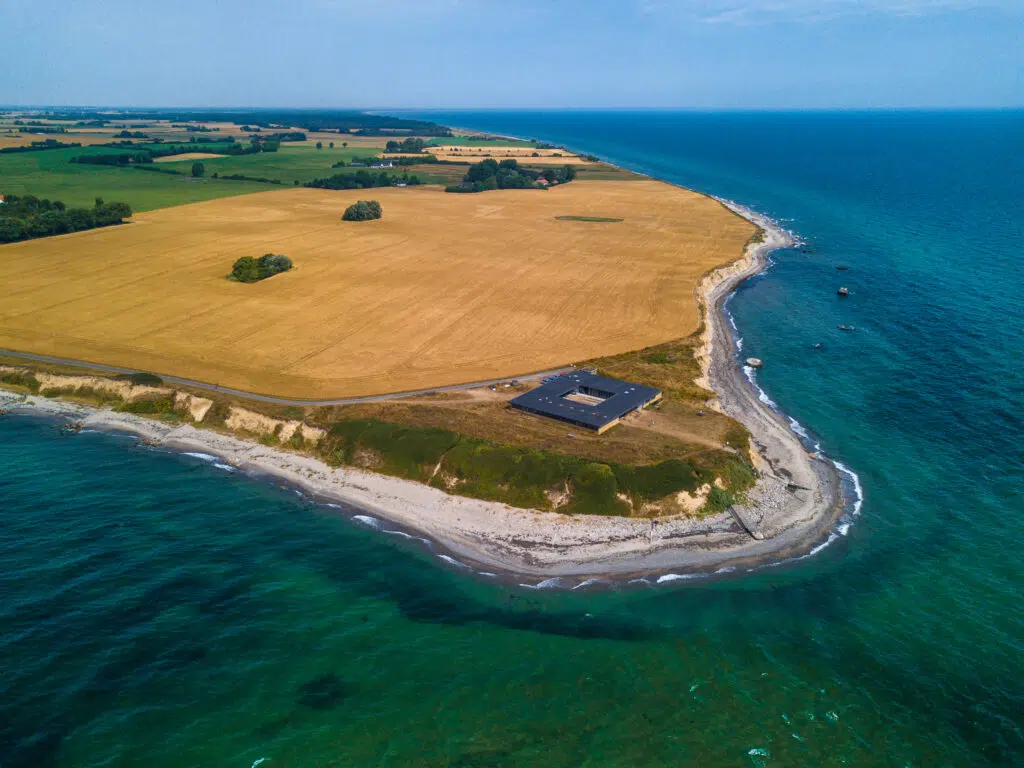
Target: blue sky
<point x="759" y="54"/>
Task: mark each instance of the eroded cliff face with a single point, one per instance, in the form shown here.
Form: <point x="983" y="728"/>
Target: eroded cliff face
<point x="242" y="419"/>
<point x="192" y="406"/>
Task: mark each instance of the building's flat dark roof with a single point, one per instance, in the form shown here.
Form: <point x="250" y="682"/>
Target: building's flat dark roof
<point x="549" y="399"/>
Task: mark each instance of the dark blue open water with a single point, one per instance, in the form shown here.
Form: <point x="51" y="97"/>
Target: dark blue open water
<point x="158" y="611"/>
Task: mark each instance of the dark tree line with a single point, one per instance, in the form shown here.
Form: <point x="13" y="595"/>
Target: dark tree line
<point x="120" y="158"/>
<point x="37" y="146"/>
<point x="363" y="180"/>
<point x="29" y="217"/>
<point x="410" y="145"/>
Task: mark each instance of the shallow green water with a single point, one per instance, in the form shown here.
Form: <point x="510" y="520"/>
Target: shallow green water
<point x="157" y="610"/>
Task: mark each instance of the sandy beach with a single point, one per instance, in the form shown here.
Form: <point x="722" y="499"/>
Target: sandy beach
<point x="791" y="509"/>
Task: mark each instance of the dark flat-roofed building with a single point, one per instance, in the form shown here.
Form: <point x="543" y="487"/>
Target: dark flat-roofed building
<point x="587" y="400"/>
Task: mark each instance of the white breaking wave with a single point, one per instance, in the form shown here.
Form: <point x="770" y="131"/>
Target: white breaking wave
<point x="665" y="578"/>
<point x="858" y="491"/>
<point x="739" y="344"/>
<point x="761" y="394"/>
<point x="373" y="522"/>
<point x="225" y="467"/>
<point x="405" y="535"/>
<point x="588" y="582"/>
<point x="203" y="456"/>
<point x="546" y="584"/>
<point x="798" y="428"/>
<point x="453" y="561"/>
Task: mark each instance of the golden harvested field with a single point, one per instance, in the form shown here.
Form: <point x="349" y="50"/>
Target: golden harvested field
<point x="491" y="151"/>
<point x="444" y="289"/>
<point x="523" y="159"/>
<point x="187" y="156"/>
<point x="85" y="139"/>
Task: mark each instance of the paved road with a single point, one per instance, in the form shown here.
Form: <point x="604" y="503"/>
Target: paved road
<point x="281" y="400"/>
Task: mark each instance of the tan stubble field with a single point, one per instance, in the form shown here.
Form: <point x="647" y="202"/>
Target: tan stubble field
<point x="445" y="289"/>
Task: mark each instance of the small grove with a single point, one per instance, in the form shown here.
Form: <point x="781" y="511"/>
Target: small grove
<point x="250" y="270"/>
<point x="29" y="217"/>
<point x="363" y="210"/>
<point x="508" y="174"/>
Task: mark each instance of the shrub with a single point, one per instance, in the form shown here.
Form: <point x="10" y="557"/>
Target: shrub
<point x="719" y="500"/>
<point x="364" y="210"/>
<point x="198" y="169"/>
<point x="250" y="270"/>
<point x="27" y="380"/>
<point x="162" y="405"/>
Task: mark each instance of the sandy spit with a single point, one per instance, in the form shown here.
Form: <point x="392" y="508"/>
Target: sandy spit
<point x="793" y="506"/>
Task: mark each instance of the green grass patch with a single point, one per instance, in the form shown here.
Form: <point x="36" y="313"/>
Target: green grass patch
<point x="52" y="175"/>
<point x="590" y="219"/>
<point x="26" y="380"/>
<point x="518" y="475"/>
<point x="148" y="406"/>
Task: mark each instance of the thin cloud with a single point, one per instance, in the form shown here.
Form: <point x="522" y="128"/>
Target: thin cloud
<point x="743" y="12"/>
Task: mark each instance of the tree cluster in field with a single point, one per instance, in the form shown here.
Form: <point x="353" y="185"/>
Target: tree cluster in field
<point x="36" y="146"/>
<point x="126" y="134"/>
<point x="29" y="217"/>
<point x="364" y="210"/>
<point x="44" y="129"/>
<point x="284" y="136"/>
<point x="425" y="159"/>
<point x="100" y="124"/>
<point x="508" y="174"/>
<point x="250" y="270"/>
<point x="363" y="180"/>
<point x="242" y="177"/>
<point x="411" y="145"/>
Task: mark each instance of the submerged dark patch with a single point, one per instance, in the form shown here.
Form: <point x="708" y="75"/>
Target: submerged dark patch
<point x="322" y="693"/>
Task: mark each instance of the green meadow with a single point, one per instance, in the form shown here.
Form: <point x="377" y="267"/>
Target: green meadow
<point x="51" y="174"/>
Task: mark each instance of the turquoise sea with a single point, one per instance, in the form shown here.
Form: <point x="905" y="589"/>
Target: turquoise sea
<point x="158" y="610"/>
